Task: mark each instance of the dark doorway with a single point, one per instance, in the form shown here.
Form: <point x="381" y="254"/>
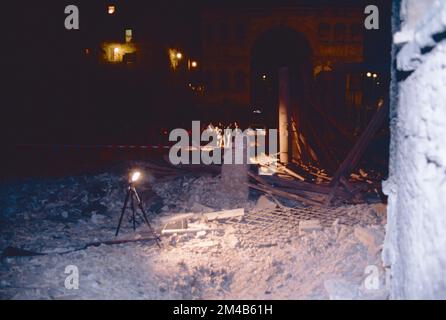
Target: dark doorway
<point x="278" y="47"/>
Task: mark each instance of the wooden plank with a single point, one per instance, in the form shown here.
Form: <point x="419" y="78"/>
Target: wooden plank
<point x="355" y="154"/>
<point x="182" y="231"/>
<point x="284" y="194"/>
<point x="346" y="184"/>
<point x="290" y="172"/>
<point x="304" y="170"/>
<point x="319" y="197"/>
<point x="304" y="186"/>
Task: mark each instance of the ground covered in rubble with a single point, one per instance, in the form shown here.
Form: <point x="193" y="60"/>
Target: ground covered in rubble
<point x="268" y="253"/>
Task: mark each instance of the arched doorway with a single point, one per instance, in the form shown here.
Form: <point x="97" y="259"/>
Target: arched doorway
<point x="274" y="49"/>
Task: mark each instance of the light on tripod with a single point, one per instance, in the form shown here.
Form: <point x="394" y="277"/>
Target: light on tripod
<point x="134" y="199"/>
<point x="135" y="176"/>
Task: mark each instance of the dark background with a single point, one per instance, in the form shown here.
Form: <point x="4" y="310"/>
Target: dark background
<point x="56" y="95"/>
<point x="53" y="94"/>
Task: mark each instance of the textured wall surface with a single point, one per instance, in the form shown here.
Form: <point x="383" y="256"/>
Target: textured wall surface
<point x="415" y="245"/>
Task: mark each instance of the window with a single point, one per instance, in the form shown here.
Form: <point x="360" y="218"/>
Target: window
<point x="209" y="33"/>
<point x="129" y="58"/>
<point x="355" y="31"/>
<point x="240" y="80"/>
<point x="209" y="80"/>
<point x="224" y="81"/>
<point x="224" y="32"/>
<point x="240" y="33"/>
<point x="324" y="31"/>
<point x="353" y="92"/>
<point x="355" y="81"/>
<point x="128" y="35"/>
<point x="340" y="31"/>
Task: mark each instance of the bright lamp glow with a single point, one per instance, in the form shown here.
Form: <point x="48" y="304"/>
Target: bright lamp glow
<point x="179" y="55"/>
<point x="194" y="64"/>
<point x="116" y="50"/>
<point x="135" y="176"/>
<point x="369" y="74"/>
<point x="375" y="75"/>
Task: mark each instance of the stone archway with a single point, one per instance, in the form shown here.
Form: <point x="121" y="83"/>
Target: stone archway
<point x="292" y="51"/>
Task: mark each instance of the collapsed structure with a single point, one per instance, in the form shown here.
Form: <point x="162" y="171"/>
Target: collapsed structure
<point x="315" y="227"/>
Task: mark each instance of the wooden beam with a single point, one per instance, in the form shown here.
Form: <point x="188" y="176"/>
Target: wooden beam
<point x="355" y="154"/>
<point x="284" y="194"/>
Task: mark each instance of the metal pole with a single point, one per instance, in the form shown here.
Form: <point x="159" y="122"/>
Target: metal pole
<point x="140" y="205"/>
<point x="123" y="211"/>
<point x="132" y="203"/>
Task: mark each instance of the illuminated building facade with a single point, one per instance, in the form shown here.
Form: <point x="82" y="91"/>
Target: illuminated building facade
<point x="232" y="41"/>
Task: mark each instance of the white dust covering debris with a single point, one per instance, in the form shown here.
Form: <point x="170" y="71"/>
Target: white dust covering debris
<point x="236" y="258"/>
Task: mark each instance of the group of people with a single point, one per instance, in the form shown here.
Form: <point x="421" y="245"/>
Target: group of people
<point x="224" y="134"/>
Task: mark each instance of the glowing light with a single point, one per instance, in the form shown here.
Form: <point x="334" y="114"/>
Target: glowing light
<point x="128" y="35"/>
<point x="369" y="74"/>
<point x="115" y="52"/>
<point x="264" y="76"/>
<point x="111" y="9"/>
<point x="375" y="75"/>
<point x="175" y="57"/>
<point x="135" y="176"/>
<point x="194" y="64"/>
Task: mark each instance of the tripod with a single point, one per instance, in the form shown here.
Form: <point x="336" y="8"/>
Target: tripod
<point x="133" y="195"/>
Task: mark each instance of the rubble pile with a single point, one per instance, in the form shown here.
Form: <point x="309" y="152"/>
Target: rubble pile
<point x="212" y="248"/>
<point x="195" y="194"/>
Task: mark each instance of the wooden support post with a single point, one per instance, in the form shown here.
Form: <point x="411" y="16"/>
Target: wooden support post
<point x="284" y="105"/>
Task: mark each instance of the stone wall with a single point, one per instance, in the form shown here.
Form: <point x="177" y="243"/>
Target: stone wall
<point x="415" y="244"/>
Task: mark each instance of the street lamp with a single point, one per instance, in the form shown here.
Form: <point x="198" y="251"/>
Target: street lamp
<point x="179" y="55"/>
